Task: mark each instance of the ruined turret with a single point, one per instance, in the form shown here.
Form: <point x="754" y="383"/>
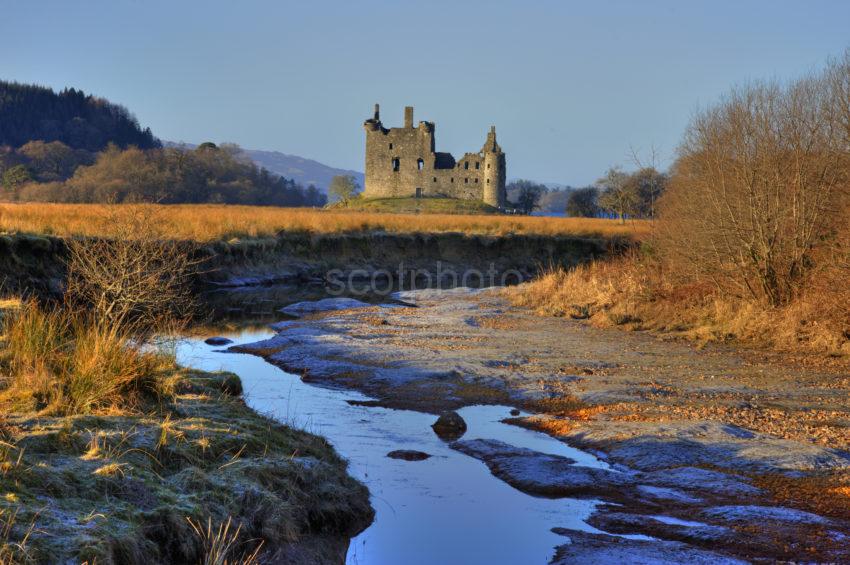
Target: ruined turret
<point x="494" y="171"/>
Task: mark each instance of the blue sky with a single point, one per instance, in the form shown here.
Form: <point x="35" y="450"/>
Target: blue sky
<point x="570" y="86"/>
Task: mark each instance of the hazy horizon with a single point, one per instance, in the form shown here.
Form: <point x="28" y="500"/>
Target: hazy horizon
<point x="570" y="87"/>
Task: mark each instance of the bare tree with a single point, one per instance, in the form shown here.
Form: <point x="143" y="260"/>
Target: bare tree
<point x="136" y="276"/>
<point x="616" y="195"/>
<point x="651" y="183"/>
<point x="756" y="186"/>
<point x="344" y="188"/>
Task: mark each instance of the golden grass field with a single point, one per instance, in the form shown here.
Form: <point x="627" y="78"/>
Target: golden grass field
<point x="209" y="222"/>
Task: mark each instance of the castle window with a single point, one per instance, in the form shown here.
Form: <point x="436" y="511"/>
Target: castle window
<point x="435" y="179"/>
<point x="476" y="180"/>
<point x="488" y="165"/>
<point x="452" y="179"/>
<point x="466" y="165"/>
<point x="466" y="180"/>
<point x="396" y="164"/>
<point x="391" y="145"/>
<point x="488" y="181"/>
<point x="477" y="165"/>
<point x="420" y="163"/>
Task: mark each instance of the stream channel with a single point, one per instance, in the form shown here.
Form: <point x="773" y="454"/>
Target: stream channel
<point x="446" y="509"/>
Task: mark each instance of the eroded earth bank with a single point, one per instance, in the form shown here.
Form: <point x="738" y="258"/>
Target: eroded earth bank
<point x="715" y="455"/>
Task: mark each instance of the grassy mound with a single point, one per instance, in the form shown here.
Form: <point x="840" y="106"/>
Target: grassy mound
<point x="109" y="453"/>
<point x="421" y="206"/>
<point x="123" y="488"/>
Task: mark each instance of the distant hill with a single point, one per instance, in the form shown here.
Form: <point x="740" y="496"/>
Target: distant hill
<point x="303" y="171"/>
<point x="79" y="120"/>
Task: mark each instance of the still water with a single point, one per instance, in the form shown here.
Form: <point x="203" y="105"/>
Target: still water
<point x="447" y="509"/>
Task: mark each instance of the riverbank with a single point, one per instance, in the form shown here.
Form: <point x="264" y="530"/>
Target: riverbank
<point x="714" y="452"/>
<point x="160" y="484"/>
<point x="37" y="264"/>
<point x="638" y="293"/>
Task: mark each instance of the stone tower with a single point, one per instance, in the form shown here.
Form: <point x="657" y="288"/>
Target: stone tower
<point x="402" y="163"/>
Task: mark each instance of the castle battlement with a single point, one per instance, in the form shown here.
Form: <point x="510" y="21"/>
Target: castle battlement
<point x="402" y="162"/>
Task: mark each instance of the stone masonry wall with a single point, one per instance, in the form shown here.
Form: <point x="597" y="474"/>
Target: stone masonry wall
<point x="402" y="162"/>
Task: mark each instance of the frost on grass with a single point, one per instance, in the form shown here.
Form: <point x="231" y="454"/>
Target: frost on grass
<point x="126" y="488"/>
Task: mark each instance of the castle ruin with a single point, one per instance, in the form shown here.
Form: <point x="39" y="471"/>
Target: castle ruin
<point x="401" y="163"/>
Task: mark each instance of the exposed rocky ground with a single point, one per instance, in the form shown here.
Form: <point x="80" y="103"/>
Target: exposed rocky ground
<point x="714" y="454"/>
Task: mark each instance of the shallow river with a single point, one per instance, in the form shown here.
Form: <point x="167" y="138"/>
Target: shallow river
<point x="447" y="509"/>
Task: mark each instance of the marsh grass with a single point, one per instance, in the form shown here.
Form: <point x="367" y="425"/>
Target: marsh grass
<point x="209" y="222"/>
<point x="639" y="293"/>
<point x="60" y="361"/>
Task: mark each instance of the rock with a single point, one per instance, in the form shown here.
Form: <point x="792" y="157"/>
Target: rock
<point x="217" y="340"/>
<point x="660" y="527"/>
<point x="542" y="474"/>
<point x="650" y="446"/>
<point x="408" y="455"/>
<point x="702" y="480"/>
<point x="753" y="514"/>
<point x="603" y="548"/>
<point x="326" y="305"/>
<point x="515" y="412"/>
<point x="433" y="293"/>
<point x="449" y="426"/>
<point x="663" y="493"/>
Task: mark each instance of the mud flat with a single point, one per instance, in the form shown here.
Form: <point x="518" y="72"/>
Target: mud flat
<point x="710" y="453"/>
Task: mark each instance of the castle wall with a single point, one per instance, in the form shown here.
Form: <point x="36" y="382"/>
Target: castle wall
<point x="402" y="162"/>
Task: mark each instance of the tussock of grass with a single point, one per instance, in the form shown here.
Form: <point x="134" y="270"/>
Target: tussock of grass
<point x="636" y="293"/>
<point x="207" y="222"/>
<point x="59" y="362"/>
<point x="221" y="544"/>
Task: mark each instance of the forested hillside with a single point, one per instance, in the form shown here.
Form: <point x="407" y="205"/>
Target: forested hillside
<point x="79" y="120"/>
<point x="73" y="147"/>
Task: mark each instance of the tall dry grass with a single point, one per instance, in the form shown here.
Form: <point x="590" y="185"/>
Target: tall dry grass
<point x="638" y="293"/>
<point x="208" y="222"/>
<point x="59" y="361"/>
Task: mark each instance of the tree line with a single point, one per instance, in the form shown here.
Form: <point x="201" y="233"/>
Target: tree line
<point x="208" y="174"/>
<point x="618" y="193"/>
<point x="73" y="147"/>
<point x="82" y="121"/>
